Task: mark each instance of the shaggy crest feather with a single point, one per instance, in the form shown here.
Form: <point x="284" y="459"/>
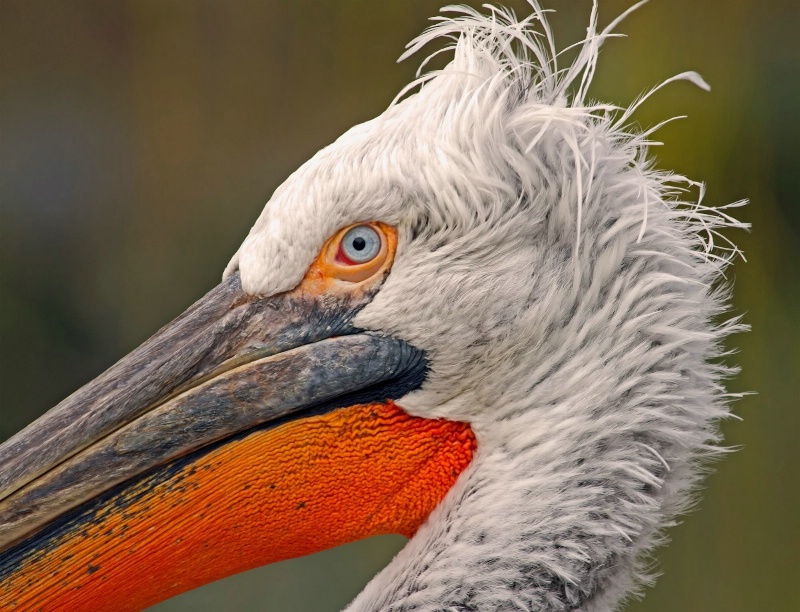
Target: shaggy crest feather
<point x="566" y="293"/>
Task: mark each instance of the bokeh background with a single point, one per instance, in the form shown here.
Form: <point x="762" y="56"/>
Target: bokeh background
<point x="140" y="139"/>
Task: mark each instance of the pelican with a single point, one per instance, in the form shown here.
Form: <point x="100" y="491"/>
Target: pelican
<point x="483" y="320"/>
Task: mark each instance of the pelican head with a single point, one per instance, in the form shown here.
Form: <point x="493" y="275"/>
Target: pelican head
<point x="482" y="319"/>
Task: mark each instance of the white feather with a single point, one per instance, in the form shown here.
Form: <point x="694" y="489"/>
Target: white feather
<point x="566" y="293"/>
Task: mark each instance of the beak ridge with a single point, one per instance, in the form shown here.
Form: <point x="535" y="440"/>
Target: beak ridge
<point x="232" y="362"/>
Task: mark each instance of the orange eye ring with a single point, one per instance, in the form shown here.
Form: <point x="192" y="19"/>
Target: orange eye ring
<point x="331" y="273"/>
<point x="332" y="267"/>
<point x="339" y="265"/>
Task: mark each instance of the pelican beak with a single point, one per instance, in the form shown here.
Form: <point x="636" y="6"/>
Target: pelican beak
<point x="247" y="431"/>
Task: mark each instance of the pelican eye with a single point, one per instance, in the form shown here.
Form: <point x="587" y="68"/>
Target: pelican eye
<point x="358" y="252"/>
<point x="360" y="244"/>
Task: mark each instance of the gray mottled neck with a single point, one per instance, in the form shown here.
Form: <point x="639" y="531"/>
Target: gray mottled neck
<point x="555" y="509"/>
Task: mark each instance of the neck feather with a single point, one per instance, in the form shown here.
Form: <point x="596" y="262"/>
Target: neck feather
<point x="566" y="494"/>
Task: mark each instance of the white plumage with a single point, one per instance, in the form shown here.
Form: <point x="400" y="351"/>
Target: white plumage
<point x="566" y="294"/>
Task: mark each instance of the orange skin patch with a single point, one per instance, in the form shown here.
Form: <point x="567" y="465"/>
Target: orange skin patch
<point x="292" y="490"/>
<point x="330" y="275"/>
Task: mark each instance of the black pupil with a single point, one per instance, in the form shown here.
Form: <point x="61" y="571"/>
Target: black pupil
<point x="359" y="244"/>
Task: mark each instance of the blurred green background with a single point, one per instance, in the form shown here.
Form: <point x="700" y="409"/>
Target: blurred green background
<point x="140" y="139"/>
